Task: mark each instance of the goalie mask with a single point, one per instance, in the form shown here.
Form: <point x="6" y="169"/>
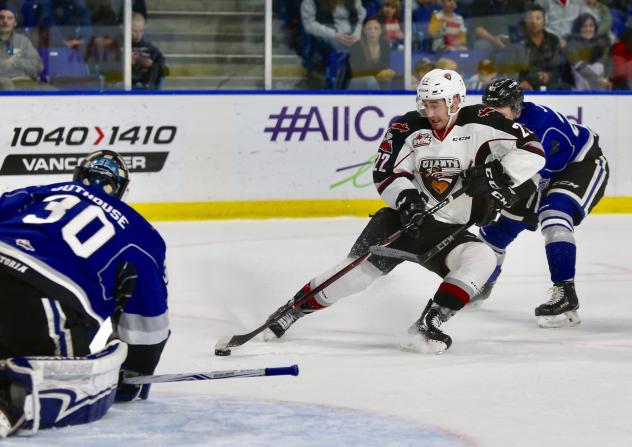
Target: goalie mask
<point x="441" y="84"/>
<point x="104" y="170"/>
<point x="504" y="92"/>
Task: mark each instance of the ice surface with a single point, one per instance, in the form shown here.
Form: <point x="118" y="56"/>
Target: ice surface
<point x="504" y="382"/>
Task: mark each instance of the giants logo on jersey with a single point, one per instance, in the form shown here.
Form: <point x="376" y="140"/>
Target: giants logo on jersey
<point x="439" y="175"/>
<point x="485" y="111"/>
<point x="422" y="139"/>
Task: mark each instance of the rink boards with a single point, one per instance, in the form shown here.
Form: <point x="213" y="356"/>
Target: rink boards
<point x="249" y="154"/>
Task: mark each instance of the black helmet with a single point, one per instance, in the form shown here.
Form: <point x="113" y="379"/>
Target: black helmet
<point x="104" y="170"/>
<point x="504" y="92"/>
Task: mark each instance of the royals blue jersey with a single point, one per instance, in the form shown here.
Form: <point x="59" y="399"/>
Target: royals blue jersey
<point x="77" y="236"/>
<point x="564" y="142"/>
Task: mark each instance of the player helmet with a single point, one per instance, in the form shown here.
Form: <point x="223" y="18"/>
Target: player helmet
<point x="504" y="92"/>
<point x="103" y="170"/>
<point x="441" y="84"/>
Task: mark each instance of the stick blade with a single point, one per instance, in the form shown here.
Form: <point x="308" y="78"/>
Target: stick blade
<point x="223" y="343"/>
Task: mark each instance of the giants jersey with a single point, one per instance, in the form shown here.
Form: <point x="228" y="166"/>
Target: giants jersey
<point x="414" y="156"/>
<point x="563" y="141"/>
<point x="76" y="237"/>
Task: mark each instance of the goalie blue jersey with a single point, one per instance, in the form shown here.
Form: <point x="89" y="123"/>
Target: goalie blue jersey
<point x="76" y="237"/>
<point x="564" y="142"/>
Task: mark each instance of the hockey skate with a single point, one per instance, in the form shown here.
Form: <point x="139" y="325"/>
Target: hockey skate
<point x="282" y="324"/>
<point x="424" y="335"/>
<point x="477" y="300"/>
<point x="561" y="309"/>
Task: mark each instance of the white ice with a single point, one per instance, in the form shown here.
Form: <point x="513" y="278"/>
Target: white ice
<point x="505" y="382"/>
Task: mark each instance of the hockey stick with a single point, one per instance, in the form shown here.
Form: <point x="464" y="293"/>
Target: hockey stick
<point x="222" y="345"/>
<point x="388" y="252"/>
<point x="162" y="378"/>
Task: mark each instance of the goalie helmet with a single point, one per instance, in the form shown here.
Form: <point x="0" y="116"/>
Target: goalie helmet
<point x="104" y="170"/>
<point x="504" y="92"/>
<point x="441" y="84"/>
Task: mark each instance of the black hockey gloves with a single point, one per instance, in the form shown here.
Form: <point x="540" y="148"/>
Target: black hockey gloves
<point x="489" y="180"/>
<point x="411" y="206"/>
<point x="485" y="210"/>
<point x="480" y="180"/>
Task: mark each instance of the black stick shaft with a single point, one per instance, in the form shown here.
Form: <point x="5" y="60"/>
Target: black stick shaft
<point x="238" y="340"/>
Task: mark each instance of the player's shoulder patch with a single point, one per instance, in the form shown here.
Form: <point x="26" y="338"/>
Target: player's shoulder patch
<point x="407" y="123"/>
<point x="400" y="129"/>
<point x="481" y="114"/>
<point x="485" y="111"/>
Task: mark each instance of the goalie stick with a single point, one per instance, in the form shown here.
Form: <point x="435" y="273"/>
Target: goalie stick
<point x="162" y="378"/>
<point x="224" y="343"/>
<point x="388" y="252"/>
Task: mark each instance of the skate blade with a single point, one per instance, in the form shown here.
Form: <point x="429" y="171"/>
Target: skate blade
<point x="567" y="319"/>
<point x="268" y="336"/>
<point x="419" y="343"/>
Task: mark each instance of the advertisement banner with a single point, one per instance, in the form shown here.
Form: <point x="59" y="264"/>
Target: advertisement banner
<point x="246" y="147"/>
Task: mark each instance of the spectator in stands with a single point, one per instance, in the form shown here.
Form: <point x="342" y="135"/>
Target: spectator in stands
<point x="369" y="59"/>
<point x="536" y="60"/>
<point x="445" y="63"/>
<point x="447" y="28"/>
<point x="149" y="66"/>
<point x="560" y="15"/>
<point x="118" y="6"/>
<point x="622" y="61"/>
<point x="19" y="61"/>
<point x="69" y="22"/>
<point x="372" y="7"/>
<point x="492" y="22"/>
<point x="140" y="7"/>
<point x="421" y="19"/>
<point x="104" y="50"/>
<point x="485" y="73"/>
<point x="603" y="15"/>
<point x="337" y="22"/>
<point x="332" y="25"/>
<point x="389" y="16"/>
<point x="422" y="66"/>
<point x="13" y="5"/>
<point x="586" y="53"/>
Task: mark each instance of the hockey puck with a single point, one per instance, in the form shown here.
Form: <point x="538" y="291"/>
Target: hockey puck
<point x="222" y="352"/>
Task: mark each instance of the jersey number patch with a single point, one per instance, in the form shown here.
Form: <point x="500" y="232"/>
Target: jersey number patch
<point x="58" y="205"/>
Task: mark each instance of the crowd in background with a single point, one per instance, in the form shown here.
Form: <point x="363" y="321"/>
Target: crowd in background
<point x="342" y="44"/>
<point x="546" y="44"/>
<point x="78" y="44"/>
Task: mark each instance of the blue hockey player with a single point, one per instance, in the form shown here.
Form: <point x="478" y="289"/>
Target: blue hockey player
<point x="571" y="183"/>
<point x="72" y="255"/>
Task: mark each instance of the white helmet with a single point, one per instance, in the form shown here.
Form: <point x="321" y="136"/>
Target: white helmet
<point x="441" y="84"/>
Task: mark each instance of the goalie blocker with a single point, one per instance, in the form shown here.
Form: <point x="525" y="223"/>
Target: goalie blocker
<point x="46" y="392"/>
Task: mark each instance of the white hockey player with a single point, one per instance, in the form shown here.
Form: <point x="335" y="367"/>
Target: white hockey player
<point x="425" y="156"/>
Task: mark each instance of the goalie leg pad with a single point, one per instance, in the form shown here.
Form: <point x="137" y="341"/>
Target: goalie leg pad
<point x="62" y="391"/>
